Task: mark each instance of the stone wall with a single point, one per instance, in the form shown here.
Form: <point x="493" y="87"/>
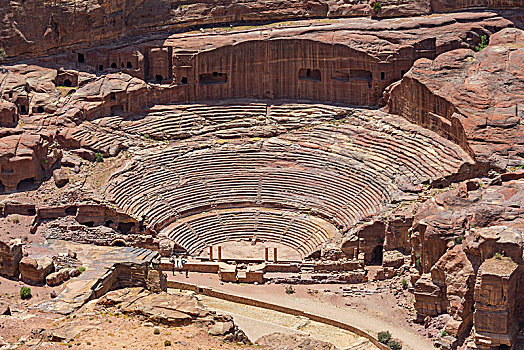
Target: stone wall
<point x="496" y="297"/>
<point x="124" y="275"/>
<point x="10" y="256"/>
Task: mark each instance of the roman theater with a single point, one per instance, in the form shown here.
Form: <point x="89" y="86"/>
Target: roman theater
<point x="298" y="174"/>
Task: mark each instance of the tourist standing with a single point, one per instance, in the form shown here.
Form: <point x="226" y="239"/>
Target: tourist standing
<point x="183" y="261"/>
<point x="173" y="261"/>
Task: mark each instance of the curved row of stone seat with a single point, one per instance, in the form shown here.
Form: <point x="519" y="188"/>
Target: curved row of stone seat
<point x="421" y="165"/>
<point x="171" y="122"/>
<point x="341" y="171"/>
<point x="298" y="231"/>
<point x="252" y="178"/>
<point x="96" y="136"/>
<point x="250" y="188"/>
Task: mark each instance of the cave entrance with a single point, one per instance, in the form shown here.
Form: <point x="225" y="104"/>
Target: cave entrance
<point x="71" y="211"/>
<point x="68" y="83"/>
<point x="376" y="255"/>
<point x="125" y="227"/>
<point x="118" y="243"/>
<point x="26" y="185"/>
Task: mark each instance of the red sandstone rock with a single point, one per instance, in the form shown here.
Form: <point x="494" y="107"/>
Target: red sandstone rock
<point x="449" y="215"/>
<point x="55" y="278"/>
<point x="8" y="114"/>
<point x="454" y="274"/>
<point x="60" y="177"/>
<point x="35" y="271"/>
<point x="23" y="157"/>
<point x="10" y="256"/>
<point x="496" y="303"/>
<point x="485" y="242"/>
<point x="471" y="98"/>
<point x="107" y="21"/>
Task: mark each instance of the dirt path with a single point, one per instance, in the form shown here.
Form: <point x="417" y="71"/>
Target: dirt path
<point x="371" y="314"/>
<point x="256" y="322"/>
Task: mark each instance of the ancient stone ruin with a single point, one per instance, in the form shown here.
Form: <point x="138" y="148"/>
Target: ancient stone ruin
<point x="372" y="147"/>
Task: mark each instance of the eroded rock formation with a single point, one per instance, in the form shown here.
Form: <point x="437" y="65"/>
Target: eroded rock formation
<point x="63" y="24"/>
<point x="10" y="256"/>
<point x="474" y="99"/>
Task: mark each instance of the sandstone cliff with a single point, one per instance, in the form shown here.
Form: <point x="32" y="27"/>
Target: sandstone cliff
<point x="474" y="99"/>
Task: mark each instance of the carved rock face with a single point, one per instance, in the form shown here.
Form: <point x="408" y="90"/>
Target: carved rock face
<point x="472" y="98"/>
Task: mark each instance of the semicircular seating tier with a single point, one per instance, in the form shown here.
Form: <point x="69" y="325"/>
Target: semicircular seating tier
<point x="171" y="122"/>
<point x="340" y="171"/>
<point x="299" y="231"/>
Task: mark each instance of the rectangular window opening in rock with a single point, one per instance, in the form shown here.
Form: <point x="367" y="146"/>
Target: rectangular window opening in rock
<point x="309" y="74"/>
<point x="212" y="78"/>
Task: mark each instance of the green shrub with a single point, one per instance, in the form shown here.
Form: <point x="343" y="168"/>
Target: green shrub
<point x="25" y="293"/>
<point x="167" y="343"/>
<point x="459" y="239"/>
<point x="81" y="268"/>
<point x="156" y="331"/>
<point x="443" y="333"/>
<point x="375" y="5"/>
<point x="99" y="157"/>
<point x="384" y="337"/>
<point x="290" y="290"/>
<point x="2" y="53"/>
<point x="497" y="256"/>
<point x="404" y="283"/>
<point x="394" y="345"/>
<point x="483" y="43"/>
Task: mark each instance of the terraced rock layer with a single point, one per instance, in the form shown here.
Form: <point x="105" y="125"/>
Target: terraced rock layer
<point x="339" y="171"/>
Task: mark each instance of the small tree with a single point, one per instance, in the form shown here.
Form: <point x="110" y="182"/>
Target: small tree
<point x="2" y="53"/>
<point x="376" y="6"/>
<point x="459" y="239"/>
<point x="394" y="345"/>
<point x="384" y="337"/>
<point x="25" y="293"/>
<point x="99" y="157"/>
<point x="404" y="283"/>
<point x="483" y="43"/>
<point x="290" y="290"/>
